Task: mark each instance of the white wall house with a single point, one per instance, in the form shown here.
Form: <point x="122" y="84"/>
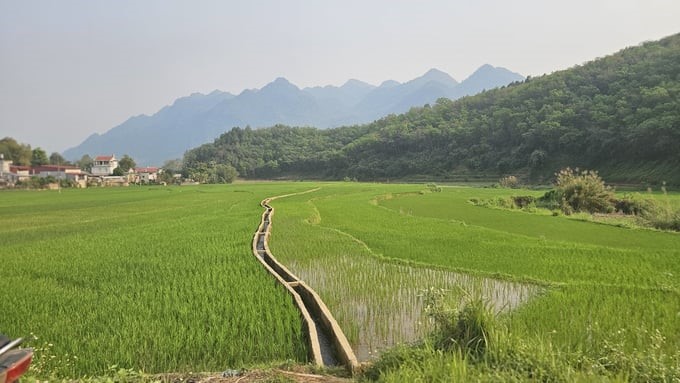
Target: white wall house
<point x="61" y="172"/>
<point x="104" y="165"/>
<point x="146" y="175"/>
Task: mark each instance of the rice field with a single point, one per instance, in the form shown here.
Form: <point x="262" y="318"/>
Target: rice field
<point x="155" y="279"/>
<point x="378" y="302"/>
<point x="163" y="279"/>
<point x="600" y="281"/>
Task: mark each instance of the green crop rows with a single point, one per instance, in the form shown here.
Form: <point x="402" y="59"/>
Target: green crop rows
<point x="158" y="279"/>
<point x="163" y="279"/>
<point x="601" y="282"/>
<point x="377" y="302"/>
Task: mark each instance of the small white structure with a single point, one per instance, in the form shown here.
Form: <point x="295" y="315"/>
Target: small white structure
<point x="6" y="177"/>
<point x="4" y="165"/>
<point x="104" y="165"/>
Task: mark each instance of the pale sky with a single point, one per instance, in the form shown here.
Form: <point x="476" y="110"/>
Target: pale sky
<point x="71" y="68"/>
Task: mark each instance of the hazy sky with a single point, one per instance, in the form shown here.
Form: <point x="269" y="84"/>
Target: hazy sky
<point x="72" y="68"/>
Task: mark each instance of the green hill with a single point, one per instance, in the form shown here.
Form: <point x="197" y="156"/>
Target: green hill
<point x="619" y="114"/>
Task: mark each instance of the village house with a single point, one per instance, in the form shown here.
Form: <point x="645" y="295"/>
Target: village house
<point x="104" y="165"/>
<point x="146" y="175"/>
<point x="61" y="172"/>
<point x="11" y="174"/>
<point x="101" y="173"/>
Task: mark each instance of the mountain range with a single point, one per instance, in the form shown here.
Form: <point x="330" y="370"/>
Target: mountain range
<point x="619" y="115"/>
<point x="199" y="118"/>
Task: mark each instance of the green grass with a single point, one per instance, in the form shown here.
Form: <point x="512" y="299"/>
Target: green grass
<point x="155" y="279"/>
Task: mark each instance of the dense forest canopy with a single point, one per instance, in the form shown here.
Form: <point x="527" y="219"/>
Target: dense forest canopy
<point x="619" y="114"/>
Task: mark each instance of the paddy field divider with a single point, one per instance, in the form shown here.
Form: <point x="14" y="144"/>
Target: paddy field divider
<point x="327" y="343"/>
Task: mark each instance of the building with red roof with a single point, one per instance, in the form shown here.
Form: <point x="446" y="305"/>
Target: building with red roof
<point x="104" y="165"/>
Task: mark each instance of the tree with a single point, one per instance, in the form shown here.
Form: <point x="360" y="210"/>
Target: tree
<point x="126" y="163"/>
<point x="212" y="173"/>
<point x="58" y="159"/>
<point x="39" y="157"/>
<point x="118" y="172"/>
<point x="18" y="153"/>
<point x="174" y="166"/>
<point x="85" y="163"/>
<point x="169" y="169"/>
<point x="537" y="158"/>
<point x="224" y="174"/>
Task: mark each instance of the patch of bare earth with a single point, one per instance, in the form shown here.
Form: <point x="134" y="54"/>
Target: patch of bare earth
<point x="265" y="376"/>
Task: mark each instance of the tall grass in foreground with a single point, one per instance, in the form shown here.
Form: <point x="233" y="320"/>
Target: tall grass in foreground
<point x="155" y="279"/>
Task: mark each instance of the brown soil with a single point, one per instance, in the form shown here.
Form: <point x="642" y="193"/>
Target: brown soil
<point x="271" y="376"/>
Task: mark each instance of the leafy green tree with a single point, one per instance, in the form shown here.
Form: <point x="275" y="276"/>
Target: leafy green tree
<point x="537" y="159"/>
<point x="58" y="159"/>
<point x="20" y="154"/>
<point x="224" y="174"/>
<point x="174" y="166"/>
<point x="166" y="175"/>
<point x="85" y="163"/>
<point x="126" y="163"/>
<point x="39" y="157"/>
<point x="118" y="172"/>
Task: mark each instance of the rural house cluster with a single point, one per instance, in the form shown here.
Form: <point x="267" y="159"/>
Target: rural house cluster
<point x="101" y="173"/>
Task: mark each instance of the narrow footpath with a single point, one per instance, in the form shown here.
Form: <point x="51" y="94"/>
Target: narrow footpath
<point x="327" y="343"/>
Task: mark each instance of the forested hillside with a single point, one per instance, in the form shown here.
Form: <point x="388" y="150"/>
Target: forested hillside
<point x="619" y="114"/>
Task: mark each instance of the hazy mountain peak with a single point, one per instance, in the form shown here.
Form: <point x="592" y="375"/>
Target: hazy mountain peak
<point x="487" y="70"/>
<point x="484" y="78"/>
<point x="354" y="83"/>
<point x="280" y="84"/>
<point x="389" y="84"/>
<point x="437" y="76"/>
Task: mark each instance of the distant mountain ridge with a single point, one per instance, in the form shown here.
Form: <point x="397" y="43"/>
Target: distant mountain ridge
<point x="198" y="118"/>
<point x="619" y="115"/>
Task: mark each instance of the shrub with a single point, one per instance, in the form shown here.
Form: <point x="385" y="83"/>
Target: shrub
<point x="467" y="328"/>
<point x="434" y="188"/>
<point x="523" y="201"/>
<point x="582" y="191"/>
<point x="509" y="182"/>
<point x="392" y="359"/>
<point x="657" y="214"/>
<point x="634" y="204"/>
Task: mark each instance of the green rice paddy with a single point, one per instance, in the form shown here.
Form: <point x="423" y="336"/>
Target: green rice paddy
<point x="156" y="279"/>
<point x="163" y="279"/>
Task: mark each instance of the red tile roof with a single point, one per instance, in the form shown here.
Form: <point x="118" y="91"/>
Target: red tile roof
<point x="146" y="170"/>
<point x="15" y="168"/>
<point x="52" y="168"/>
<point x="104" y="158"/>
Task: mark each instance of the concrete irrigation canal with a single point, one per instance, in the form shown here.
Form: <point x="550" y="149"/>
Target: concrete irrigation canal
<point x="327" y="343"/>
